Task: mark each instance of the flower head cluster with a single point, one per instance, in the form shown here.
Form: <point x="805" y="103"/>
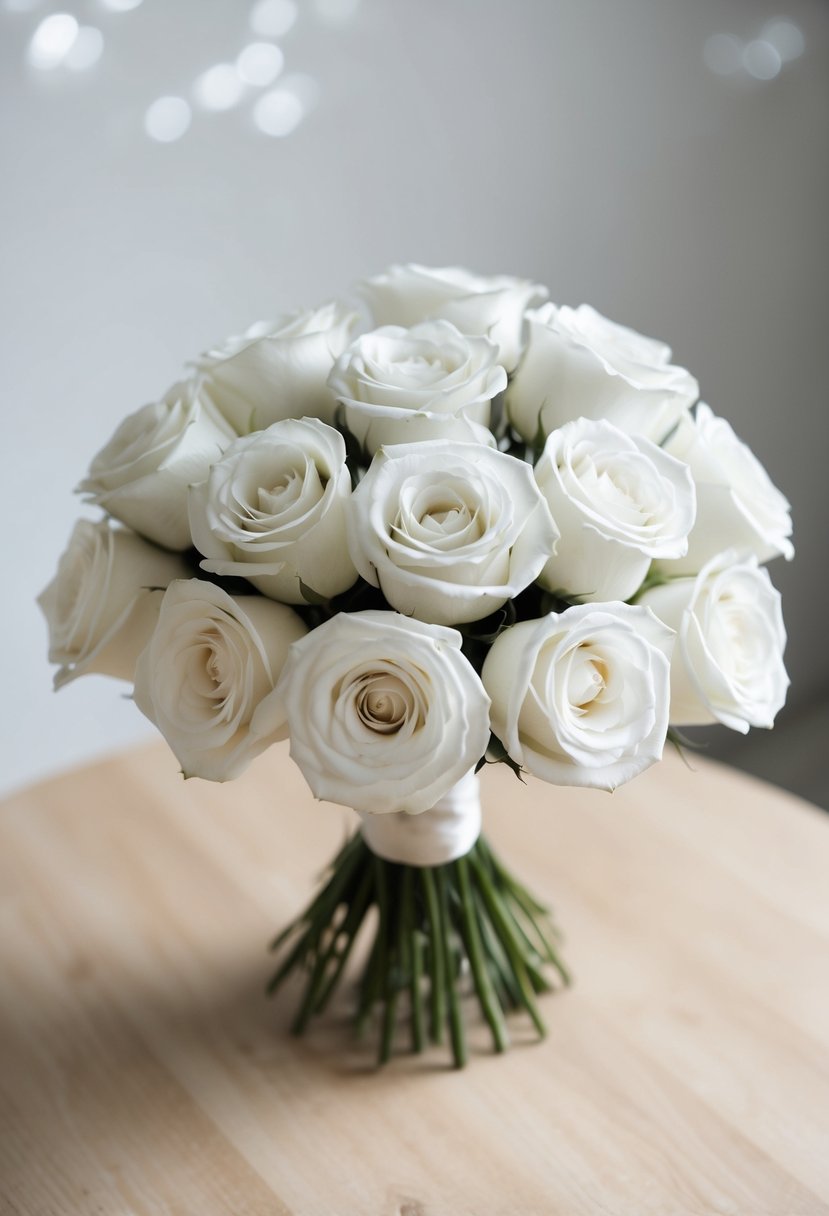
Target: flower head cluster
<point x="478" y="521"/>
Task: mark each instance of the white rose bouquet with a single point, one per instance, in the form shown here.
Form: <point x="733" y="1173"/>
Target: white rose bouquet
<point x="478" y="529"/>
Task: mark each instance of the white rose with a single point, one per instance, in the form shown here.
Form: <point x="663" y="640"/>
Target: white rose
<point x="738" y="507"/>
<point x="211" y="661"/>
<point x="385" y="713"/>
<point x="276" y="369"/>
<point x="141" y="475"/>
<point x="619" y="501"/>
<point x="428" y="382"/>
<point x="488" y="306"/>
<point x="728" y="660"/>
<point x="579" y="364"/>
<point x="273" y="510"/>
<point x="102" y="604"/>
<point x="581" y="697"/>
<point x="449" y="531"/>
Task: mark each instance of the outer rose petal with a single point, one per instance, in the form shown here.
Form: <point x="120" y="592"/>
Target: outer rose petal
<point x="430" y="373"/>
<point x="102" y="605"/>
<point x="279" y="538"/>
<point x="578" y="364"/>
<point x="617" y="728"/>
<point x="426" y="568"/>
<point x="211" y="661"/>
<point x="620" y="502"/>
<point x="346" y="759"/>
<point x="488" y="306"/>
<point x="738" y="506"/>
<point x="141" y="475"/>
<point x="728" y="661"/>
<point x="277" y="370"/>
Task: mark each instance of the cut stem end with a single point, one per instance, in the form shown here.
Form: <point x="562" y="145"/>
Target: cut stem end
<point x="466" y="929"/>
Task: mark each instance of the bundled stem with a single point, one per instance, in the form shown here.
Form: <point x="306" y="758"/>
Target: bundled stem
<point x="440" y="932"/>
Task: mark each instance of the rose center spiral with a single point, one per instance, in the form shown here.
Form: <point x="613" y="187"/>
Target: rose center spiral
<point x="384" y="703"/>
<point x="284" y="489"/>
<point x="215" y="666"/>
<point x="588" y="678"/>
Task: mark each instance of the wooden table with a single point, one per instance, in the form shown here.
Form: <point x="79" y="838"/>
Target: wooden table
<point x="143" y="1073"/>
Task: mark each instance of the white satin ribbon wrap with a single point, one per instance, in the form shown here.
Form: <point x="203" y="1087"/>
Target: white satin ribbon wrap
<point x="434" y="837"/>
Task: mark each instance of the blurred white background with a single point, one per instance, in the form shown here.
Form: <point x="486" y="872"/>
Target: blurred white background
<point x="665" y="161"/>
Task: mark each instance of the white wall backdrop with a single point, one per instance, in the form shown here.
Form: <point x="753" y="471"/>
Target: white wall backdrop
<point x="662" y="160"/>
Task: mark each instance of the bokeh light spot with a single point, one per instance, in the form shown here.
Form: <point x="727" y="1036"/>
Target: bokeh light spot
<point x="762" y="60"/>
<point x="278" y="112"/>
<point x="121" y="6"/>
<point x="786" y="37"/>
<point x="52" y="40"/>
<point x="260" y="63"/>
<point x="219" y="88"/>
<point x="167" y="119"/>
<point x="304" y="87"/>
<point x="723" y="54"/>
<point x="273" y="18"/>
<point x="86" y="50"/>
<point x="336" y="12"/>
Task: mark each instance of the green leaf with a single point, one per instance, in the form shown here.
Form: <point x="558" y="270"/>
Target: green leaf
<point x="357" y="458"/>
<point x="490" y="627"/>
<point x="682" y="743"/>
<point x="540" y="438"/>
<point x="496" y="753"/>
<point x="311" y="596"/>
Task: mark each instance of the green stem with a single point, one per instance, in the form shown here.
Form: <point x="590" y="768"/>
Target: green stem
<point x="502" y="974"/>
<point x="437" y="960"/>
<point x="511" y="946"/>
<point x="430" y="920"/>
<point x="331" y="896"/>
<point x="319" y="914"/>
<point x="352" y="845"/>
<point x="536" y="916"/>
<point x="418" y="1036"/>
<point x="456" y="1029"/>
<point x="369" y="986"/>
<point x="391" y="915"/>
<point x="411" y="956"/>
<point x="483" y="983"/>
<point x="546" y="948"/>
<point x="349" y="928"/>
<point x="379" y="962"/>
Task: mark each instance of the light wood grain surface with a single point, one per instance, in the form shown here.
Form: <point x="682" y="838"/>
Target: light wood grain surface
<point x="143" y="1073"/>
